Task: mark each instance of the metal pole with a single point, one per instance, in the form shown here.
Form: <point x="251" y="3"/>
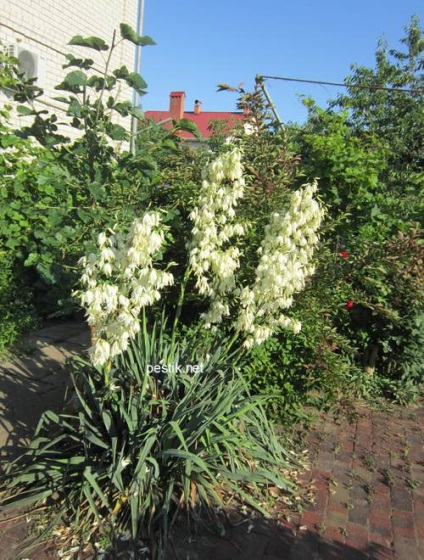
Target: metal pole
<point x="137" y="68"/>
<point x="260" y="81"/>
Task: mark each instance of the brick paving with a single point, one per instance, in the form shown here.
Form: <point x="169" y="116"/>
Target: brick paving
<point x="367" y="480"/>
<point x="366" y="476"/>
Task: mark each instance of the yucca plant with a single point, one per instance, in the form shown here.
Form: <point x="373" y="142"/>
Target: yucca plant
<point x="159" y="439"/>
<point x="164" y="420"/>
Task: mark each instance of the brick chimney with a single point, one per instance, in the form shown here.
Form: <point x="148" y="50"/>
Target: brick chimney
<point x="197" y="107"/>
<point x="176" y="105"/>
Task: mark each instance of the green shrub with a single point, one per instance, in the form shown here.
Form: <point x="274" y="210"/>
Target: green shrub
<point x="387" y="294"/>
<point x="313" y="366"/>
<point x="54" y="193"/>
<point x="17" y="313"/>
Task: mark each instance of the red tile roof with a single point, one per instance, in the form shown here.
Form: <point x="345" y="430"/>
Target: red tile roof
<point x="202" y="120"/>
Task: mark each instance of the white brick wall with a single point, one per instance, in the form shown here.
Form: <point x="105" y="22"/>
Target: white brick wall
<point x="46" y="26"/>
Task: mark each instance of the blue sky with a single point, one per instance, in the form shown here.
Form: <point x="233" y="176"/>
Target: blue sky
<point x="201" y="43"/>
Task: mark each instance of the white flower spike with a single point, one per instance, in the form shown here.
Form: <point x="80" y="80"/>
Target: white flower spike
<point x="284" y="265"/>
<point x="213" y="261"/>
<point x="119" y="282"/>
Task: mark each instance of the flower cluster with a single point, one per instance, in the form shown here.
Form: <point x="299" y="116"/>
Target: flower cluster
<point x="119" y="281"/>
<point x="212" y="260"/>
<point x="285" y="256"/>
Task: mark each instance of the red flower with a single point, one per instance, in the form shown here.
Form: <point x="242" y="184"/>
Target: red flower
<point x="349" y="304"/>
<point x="346" y="276"/>
<point x="344" y="255"/>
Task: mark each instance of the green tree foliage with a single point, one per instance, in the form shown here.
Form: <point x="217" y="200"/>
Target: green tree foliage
<point x="388" y="100"/>
<point x="369" y="157"/>
<point x="349" y="169"/>
<point x="56" y="193"/>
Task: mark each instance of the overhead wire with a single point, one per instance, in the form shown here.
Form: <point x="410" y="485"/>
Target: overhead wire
<point x="356" y="86"/>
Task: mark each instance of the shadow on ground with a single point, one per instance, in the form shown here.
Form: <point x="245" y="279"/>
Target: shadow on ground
<point x="36" y="380"/>
<point x="254" y="540"/>
<point x="266" y="540"/>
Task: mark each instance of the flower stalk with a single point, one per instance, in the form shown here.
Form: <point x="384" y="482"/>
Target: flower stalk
<point x="120" y="280"/>
<point x="213" y="258"/>
<point x="285" y="263"/>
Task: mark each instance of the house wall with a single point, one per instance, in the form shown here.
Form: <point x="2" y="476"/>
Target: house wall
<point x="46" y="26"/>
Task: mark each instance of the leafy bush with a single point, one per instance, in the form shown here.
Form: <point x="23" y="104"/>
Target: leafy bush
<point x="314" y="366"/>
<point x="369" y="158"/>
<point x="17" y="314"/>
<point x="55" y="193"/>
<point x="385" y="320"/>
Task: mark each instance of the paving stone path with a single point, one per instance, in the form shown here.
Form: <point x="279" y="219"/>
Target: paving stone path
<point x="34" y="381"/>
<point x="367" y="474"/>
